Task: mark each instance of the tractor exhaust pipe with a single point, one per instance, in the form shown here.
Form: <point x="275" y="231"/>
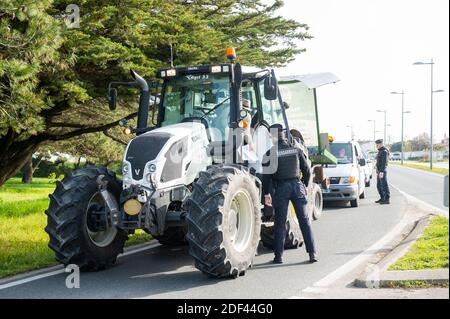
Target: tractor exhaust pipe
<point x="144" y="101"/>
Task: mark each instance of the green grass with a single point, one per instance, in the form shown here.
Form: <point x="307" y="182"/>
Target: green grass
<point x="417" y="284"/>
<point x="23" y="241"/>
<point x="438" y="170"/>
<point x="430" y="251"/>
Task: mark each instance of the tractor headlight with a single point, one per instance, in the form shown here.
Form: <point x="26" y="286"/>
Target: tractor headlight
<point x="152" y="168"/>
<point x="125" y="169"/>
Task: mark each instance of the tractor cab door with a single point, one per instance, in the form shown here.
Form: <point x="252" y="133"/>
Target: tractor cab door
<point x="269" y="113"/>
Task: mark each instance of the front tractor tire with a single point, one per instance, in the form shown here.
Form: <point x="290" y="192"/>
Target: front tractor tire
<point x="224" y="221"/>
<point x="75" y="206"/>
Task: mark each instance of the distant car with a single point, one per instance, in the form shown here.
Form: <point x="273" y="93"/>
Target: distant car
<point x="368" y="169"/>
<point x="396" y="156"/>
<point x="348" y="177"/>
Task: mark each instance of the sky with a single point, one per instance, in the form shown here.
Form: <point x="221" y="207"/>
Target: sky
<point x="371" y="46"/>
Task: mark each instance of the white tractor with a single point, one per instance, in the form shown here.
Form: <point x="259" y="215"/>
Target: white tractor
<point x="189" y="177"/>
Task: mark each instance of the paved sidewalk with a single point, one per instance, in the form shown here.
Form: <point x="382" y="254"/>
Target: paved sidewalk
<point x="361" y="293"/>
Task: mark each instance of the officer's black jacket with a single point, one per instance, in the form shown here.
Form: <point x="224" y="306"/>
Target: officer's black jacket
<point x="382" y="159"/>
<point x="302" y="166"/>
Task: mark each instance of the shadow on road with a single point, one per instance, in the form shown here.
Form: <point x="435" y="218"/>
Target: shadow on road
<point x="155" y="272"/>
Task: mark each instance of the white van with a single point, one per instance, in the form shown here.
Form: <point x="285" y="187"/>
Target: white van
<point x="348" y="177"/>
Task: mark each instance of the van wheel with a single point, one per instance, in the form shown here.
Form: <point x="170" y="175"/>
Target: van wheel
<point x="355" y="203"/>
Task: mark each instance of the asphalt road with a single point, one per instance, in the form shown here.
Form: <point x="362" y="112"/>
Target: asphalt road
<point x="426" y="186"/>
<point x="342" y="234"/>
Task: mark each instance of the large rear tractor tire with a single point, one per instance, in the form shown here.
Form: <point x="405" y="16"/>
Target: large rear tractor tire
<point x="224" y="221"/>
<point x="173" y="237"/>
<point x="72" y="226"/>
<point x="294" y="238"/>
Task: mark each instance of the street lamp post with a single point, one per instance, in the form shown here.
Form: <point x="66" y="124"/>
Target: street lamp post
<point x="374" y="129"/>
<point x="351" y="132"/>
<point x="402" y="93"/>
<point x="431" y="64"/>
<point x="385" y="123"/>
<point x="388" y="136"/>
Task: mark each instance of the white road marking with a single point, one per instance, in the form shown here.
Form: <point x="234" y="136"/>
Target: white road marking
<point x="29" y="279"/>
<point x="411" y="198"/>
<point x="315" y="290"/>
<point x="61" y="271"/>
<point x="365" y="256"/>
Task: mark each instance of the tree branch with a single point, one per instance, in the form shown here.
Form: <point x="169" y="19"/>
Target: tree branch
<point x="115" y="139"/>
<point x="86" y="130"/>
<point x="67" y="125"/>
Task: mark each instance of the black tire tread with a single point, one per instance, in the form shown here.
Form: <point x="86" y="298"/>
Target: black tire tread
<point x="63" y="217"/>
<point x="205" y="217"/>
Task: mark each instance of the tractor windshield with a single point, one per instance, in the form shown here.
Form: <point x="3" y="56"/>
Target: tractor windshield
<point x="202" y="96"/>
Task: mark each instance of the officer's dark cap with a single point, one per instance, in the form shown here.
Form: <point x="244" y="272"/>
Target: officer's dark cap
<point x="379" y="142"/>
<point x="277" y="127"/>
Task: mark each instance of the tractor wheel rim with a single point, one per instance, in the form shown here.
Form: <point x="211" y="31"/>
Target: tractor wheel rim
<point x="99" y="238"/>
<point x="241" y="221"/>
<point x="317" y="201"/>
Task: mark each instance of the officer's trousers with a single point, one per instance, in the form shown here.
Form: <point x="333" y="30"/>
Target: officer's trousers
<point x="286" y="192"/>
<point x="383" y="187"/>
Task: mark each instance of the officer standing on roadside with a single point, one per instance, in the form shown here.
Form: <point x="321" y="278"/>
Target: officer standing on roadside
<point x="382" y="165"/>
<point x="288" y="187"/>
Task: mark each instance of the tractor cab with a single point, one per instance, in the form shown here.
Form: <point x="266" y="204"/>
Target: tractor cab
<point x="214" y="95"/>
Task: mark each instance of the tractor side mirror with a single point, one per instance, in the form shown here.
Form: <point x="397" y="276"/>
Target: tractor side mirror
<point x="112" y="99"/>
<point x="270" y="88"/>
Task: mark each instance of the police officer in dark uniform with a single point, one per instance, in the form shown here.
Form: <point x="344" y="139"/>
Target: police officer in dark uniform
<point x="288" y="187"/>
<point x="382" y="165"/>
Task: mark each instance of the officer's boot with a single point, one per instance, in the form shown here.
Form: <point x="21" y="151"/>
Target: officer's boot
<point x="278" y="260"/>
<point x="313" y="258"/>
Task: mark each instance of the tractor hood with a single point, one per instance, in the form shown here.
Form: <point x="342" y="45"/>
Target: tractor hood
<point x="166" y="156"/>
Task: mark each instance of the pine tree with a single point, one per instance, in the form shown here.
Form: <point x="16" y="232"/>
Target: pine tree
<point x="53" y="79"/>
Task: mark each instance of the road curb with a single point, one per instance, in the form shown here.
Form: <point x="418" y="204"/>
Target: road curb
<point x="390" y="279"/>
<point x="377" y="276"/>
